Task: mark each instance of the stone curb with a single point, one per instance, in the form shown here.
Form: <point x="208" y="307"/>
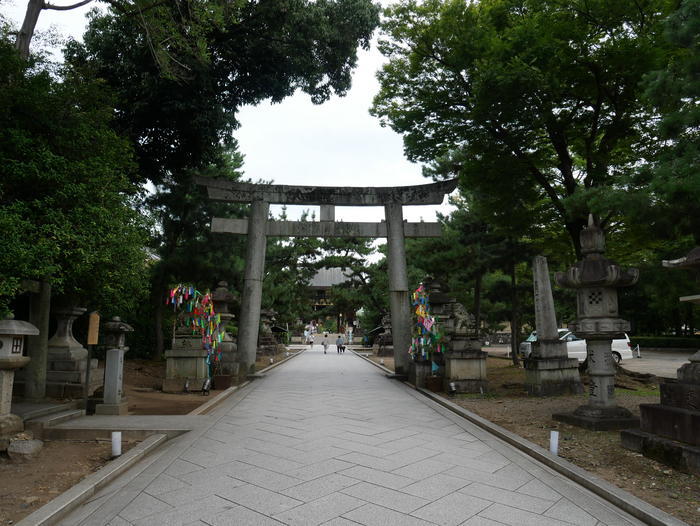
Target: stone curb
<point x="70" y="499"/>
<point x="387" y="371"/>
<point x="218" y="399"/>
<point x="619" y="497"/>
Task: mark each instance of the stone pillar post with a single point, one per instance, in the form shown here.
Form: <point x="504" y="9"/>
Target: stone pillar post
<point x="114" y="403"/>
<point x="548" y="370"/>
<point x="38" y="346"/>
<point x="251" y="298"/>
<point x="398" y="288"/>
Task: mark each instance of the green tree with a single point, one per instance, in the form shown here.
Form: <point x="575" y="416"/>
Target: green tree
<point x="66" y="203"/>
<point x="534" y="97"/>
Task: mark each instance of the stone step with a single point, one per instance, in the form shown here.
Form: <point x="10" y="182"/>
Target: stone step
<point x="39" y="426"/>
<point x="31" y="411"/>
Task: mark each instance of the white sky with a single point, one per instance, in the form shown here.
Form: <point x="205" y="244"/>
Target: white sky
<point x="295" y="142"/>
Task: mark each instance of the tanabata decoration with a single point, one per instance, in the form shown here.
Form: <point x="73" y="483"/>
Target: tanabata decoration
<point x="197" y="313"/>
<point x="427" y="338"/>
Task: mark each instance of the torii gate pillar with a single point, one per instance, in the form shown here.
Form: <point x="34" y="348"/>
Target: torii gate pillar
<point x="251" y="299"/>
<point x="398" y="287"/>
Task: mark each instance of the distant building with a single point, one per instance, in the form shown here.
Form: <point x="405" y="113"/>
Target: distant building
<point x="321" y="285"/>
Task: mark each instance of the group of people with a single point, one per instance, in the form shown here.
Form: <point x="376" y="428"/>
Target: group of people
<point x="339" y="343"/>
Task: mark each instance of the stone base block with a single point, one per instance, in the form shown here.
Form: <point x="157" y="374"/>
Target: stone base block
<point x="9" y="425"/>
<point x="683" y="395"/>
<point x="418" y="371"/>
<point x="552" y="377"/>
<point x="683" y="457"/>
<point x="682" y="425"/>
<point x="385" y="351"/>
<point x="24" y="450"/>
<point x="74" y="390"/>
<point x="599" y="418"/>
<point x="467" y="386"/>
<point x="112" y="409"/>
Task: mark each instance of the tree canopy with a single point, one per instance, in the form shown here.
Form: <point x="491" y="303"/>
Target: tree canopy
<point x="534" y="98"/>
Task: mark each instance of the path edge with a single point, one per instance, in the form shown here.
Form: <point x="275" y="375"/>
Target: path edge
<point x="622" y="499"/>
<point x="76" y="495"/>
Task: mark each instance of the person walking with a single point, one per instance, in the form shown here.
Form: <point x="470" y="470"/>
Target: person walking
<point x="325" y="345"/>
<point x="340" y="344"/>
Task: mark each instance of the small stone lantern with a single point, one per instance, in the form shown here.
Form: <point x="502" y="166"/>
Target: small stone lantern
<point x="12" y="333"/>
<point x="223" y="298"/>
<point x="115" y="339"/>
<point x="596" y="280"/>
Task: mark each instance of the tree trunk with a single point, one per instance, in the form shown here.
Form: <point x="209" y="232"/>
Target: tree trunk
<point x="514" y="318"/>
<point x="24" y="37"/>
<point x="477" y="302"/>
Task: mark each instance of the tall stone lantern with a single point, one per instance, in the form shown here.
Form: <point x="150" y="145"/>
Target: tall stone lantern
<point x="596" y="280"/>
<point x="12" y="333"/>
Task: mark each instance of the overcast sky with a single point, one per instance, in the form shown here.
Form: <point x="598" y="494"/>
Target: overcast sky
<point x="334" y="144"/>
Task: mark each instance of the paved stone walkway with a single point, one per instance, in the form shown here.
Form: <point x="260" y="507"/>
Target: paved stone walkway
<point x="327" y="439"/>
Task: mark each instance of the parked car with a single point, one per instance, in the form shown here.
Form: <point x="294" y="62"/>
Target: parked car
<point x="576" y="347"/>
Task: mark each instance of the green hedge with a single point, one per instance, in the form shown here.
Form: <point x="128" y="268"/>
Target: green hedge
<point x="666" y="342"/>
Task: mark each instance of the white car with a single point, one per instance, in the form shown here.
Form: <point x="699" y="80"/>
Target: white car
<point x="576" y="347"/>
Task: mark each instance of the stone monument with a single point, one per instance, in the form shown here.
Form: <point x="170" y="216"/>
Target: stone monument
<point x="223" y="298"/>
<point x="464" y="361"/>
<point x="670" y="431"/>
<point x="267" y="343"/>
<point x="67" y="359"/>
<point x="114" y="402"/>
<point x="185" y="362"/>
<point x="596" y="279"/>
<point x="12" y="333"/>
<point x="549" y="371"/>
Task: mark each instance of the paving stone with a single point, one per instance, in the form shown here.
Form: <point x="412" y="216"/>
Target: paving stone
<point x="536" y="488"/>
<point x="480" y="521"/>
<point x="181" y="467"/>
<point x="319" y="469"/>
<point x="143" y="506"/>
<point x="435" y="487"/>
<point x="164" y="484"/>
<point x="451" y="509"/>
<point x="566" y="510"/>
<point x="375" y="476"/>
<point x="319" y="510"/>
<point x="373" y="515"/>
<point x="423" y="469"/>
<point x="516" y="517"/>
<point x="203" y="509"/>
<point x="509" y="498"/>
<point x="319" y="487"/>
<point x="258" y="499"/>
<point x="239" y="516"/>
<point x="385" y="497"/>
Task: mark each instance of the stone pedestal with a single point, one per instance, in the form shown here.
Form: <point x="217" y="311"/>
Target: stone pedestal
<point x="548" y="371"/>
<point x="670" y="431"/>
<point x="466" y="370"/>
<point x="418" y="371"/>
<point x="67" y="360"/>
<point x="185" y="361"/>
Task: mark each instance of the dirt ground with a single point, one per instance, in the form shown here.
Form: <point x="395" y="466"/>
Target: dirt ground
<point x="508" y="405"/>
<point x="26" y="487"/>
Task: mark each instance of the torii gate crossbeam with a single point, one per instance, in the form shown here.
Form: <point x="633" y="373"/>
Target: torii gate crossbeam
<point x="257" y="227"/>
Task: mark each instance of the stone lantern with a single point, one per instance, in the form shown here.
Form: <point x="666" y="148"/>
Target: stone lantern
<point x="12" y="333"/>
<point x="596" y="280"/>
<point x="115" y="339"/>
<point x="223" y="298"/>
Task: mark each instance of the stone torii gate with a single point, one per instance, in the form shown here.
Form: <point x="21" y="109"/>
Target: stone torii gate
<point x="258" y="227"/>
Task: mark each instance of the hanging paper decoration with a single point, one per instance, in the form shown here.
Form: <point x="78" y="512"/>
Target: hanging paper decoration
<point x="197" y="312"/>
<point x="427" y="338"/>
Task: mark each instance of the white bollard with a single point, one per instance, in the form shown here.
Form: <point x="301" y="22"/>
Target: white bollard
<point x="116" y="443"/>
<point x="554" y="442"/>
